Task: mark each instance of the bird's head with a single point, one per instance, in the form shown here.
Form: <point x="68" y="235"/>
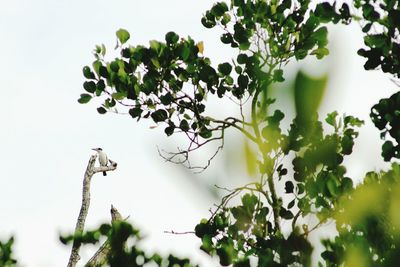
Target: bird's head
<point x="97" y="149"/>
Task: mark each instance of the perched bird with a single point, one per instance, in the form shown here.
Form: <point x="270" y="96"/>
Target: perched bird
<point x="103" y="160"/>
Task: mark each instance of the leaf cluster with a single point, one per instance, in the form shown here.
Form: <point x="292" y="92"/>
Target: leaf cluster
<point x="368" y="223"/>
<point x="6" y="257"/>
<point x="235" y="233"/>
<point x="123" y="240"/>
<point x="386" y="117"/>
<point x="380" y="22"/>
<point x="170" y="81"/>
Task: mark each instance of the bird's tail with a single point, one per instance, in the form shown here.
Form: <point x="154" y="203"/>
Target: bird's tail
<point x="104" y="174"/>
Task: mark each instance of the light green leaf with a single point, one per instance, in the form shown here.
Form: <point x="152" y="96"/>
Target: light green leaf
<point x="123" y="35"/>
<point x="119" y="95"/>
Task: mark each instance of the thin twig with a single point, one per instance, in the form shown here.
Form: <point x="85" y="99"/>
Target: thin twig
<point x="179" y="233"/>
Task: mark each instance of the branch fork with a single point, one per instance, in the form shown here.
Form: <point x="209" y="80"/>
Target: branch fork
<point x="80" y="223"/>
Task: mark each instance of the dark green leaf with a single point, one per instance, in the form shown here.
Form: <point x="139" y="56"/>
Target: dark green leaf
<point x="171" y="38"/>
<point x="285" y="214"/>
<point x="159" y="115"/>
<point x="225" y="68"/>
<point x="89" y="86"/>
<point x="101" y="110"/>
<point x="184" y="125"/>
<point x="289" y="187"/>
<point x="135" y="112"/>
<point x="87" y="72"/>
<point x="278" y="75"/>
<point x="85" y="98"/>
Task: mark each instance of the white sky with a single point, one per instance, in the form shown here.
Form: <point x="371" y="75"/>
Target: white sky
<point x="46" y="136"/>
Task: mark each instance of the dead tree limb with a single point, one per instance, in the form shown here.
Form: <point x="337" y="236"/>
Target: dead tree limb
<point x="80" y="223"/>
<point x="100" y="257"/>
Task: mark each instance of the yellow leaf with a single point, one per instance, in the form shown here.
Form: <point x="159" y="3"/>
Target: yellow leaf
<point x="200" y="46"/>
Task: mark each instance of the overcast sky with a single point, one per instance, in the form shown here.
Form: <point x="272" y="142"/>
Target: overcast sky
<point x="46" y="136"/>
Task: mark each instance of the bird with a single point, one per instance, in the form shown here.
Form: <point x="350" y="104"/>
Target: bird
<point x="103" y="159"/>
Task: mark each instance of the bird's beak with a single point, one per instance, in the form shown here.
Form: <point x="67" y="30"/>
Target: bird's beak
<point x="94" y="149"/>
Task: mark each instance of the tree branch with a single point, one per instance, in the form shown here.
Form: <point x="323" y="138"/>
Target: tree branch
<point x="111" y="167"/>
<point x="100" y="257"/>
<point x="80" y="223"/>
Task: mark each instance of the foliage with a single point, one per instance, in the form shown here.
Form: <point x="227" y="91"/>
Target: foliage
<point x="386" y="117"/>
<point x="301" y="172"/>
<point x="318" y="183"/>
<point x="170" y="82"/>
<point x="380" y="22"/>
<point x="118" y="235"/>
<point x="6" y="257"/>
<point x="368" y="233"/>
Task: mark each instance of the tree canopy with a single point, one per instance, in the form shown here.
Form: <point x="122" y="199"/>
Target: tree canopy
<point x="301" y="175"/>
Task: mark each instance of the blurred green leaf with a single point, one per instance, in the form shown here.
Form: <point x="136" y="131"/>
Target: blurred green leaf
<point x="308" y="92"/>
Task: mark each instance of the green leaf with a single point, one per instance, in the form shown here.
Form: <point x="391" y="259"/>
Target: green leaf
<point x="155" y="45"/>
<point x="123" y="35"/>
<point x="289" y="187"/>
<point x="169" y="130"/>
<point x="205" y="133"/>
<point x="226" y="254"/>
<point x="331" y="118"/>
<point x="388" y="150"/>
<point x="159" y="115"/>
<point x="207" y="74"/>
<point x="291" y="204"/>
<point x="119" y="95"/>
<point x="207" y="244"/>
<point x="101" y="110"/>
<point x="184" y="125"/>
<point x="89" y="86"/>
<point x="219" y="9"/>
<point x="96" y="66"/>
<point x="278" y="75"/>
<point x="376" y="40"/>
<point x="347" y="144"/>
<point x="243" y="81"/>
<point x="87" y="72"/>
<point x="286" y="214"/>
<point x="352" y="121"/>
<point x="85" y="98"/>
<point x="321" y="36"/>
<point x="208" y="23"/>
<point x="249" y="202"/>
<point x="135" y="112"/>
<point x="308" y="92"/>
<point x="226" y="38"/>
<point x="185" y="53"/>
<point x="332" y="186"/>
<point x="171" y="38"/>
<point x="225" y="68"/>
<point x="244" y="46"/>
<point x="242" y="58"/>
<point x="320" y="52"/>
<point x="369" y="12"/>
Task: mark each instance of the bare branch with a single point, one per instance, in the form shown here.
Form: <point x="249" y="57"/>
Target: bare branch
<point x="111" y="167"/>
<point x="100" y="257"/>
<point x="182" y="155"/>
<point x="80" y="224"/>
<point x="179" y="233"/>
